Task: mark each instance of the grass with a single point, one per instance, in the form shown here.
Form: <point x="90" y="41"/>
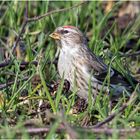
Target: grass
<point x="18" y="115"/>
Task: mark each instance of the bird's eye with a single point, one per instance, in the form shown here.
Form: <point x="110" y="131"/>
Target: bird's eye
<point x="65" y="31"/>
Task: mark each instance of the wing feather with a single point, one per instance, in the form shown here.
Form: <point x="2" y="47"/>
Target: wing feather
<point x="100" y="70"/>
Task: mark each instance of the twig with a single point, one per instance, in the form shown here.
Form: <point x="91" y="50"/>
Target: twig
<point x="24" y="63"/>
<point x="112" y="116"/>
<point x="55" y="11"/>
<point x="131" y="54"/>
<point x="108" y="131"/>
<point x="95" y="130"/>
<point x="2" y="86"/>
<point x="26" y="10"/>
<point x="8" y="62"/>
<point x="23" y="26"/>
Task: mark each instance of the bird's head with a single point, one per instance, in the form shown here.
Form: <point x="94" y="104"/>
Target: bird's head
<point x="68" y="36"/>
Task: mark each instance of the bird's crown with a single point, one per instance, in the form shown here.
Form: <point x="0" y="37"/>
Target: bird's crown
<point x="69" y="26"/>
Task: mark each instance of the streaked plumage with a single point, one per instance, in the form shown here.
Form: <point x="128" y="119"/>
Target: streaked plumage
<point x="79" y="65"/>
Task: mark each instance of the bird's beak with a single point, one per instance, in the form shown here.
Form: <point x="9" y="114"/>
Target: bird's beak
<point x="55" y="36"/>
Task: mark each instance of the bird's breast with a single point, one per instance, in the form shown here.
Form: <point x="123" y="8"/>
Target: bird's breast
<point x="65" y="65"/>
<point x="71" y="69"/>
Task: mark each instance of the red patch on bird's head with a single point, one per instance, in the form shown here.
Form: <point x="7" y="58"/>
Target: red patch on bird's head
<point x="69" y="26"/>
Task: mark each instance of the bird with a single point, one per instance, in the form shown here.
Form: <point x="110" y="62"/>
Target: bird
<point x="81" y="67"/>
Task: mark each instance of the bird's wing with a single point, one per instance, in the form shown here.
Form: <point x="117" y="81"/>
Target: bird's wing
<point x="115" y="78"/>
<point x="100" y="71"/>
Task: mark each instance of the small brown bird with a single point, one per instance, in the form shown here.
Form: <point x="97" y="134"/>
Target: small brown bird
<point x="79" y="65"/>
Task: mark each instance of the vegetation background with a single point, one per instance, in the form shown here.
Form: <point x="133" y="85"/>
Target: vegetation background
<point x="34" y="101"/>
